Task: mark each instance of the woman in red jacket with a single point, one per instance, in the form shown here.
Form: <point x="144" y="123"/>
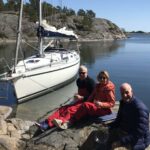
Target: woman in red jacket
<point x="99" y="102"/>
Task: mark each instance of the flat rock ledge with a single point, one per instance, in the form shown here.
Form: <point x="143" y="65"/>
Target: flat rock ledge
<point x="5" y="111"/>
<point x="18" y="134"/>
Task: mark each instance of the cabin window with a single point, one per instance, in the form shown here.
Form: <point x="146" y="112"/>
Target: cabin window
<point x="36" y="61"/>
<point x="32" y="61"/>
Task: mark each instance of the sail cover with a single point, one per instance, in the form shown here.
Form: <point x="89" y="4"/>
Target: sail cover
<point x="46" y="30"/>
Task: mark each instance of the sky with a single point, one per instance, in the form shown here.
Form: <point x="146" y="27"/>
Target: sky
<point x="131" y="15"/>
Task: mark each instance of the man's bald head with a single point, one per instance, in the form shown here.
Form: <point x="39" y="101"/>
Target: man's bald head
<point x="126" y="92"/>
<point x="126" y="86"/>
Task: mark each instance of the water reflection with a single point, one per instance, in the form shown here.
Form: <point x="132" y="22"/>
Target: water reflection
<point x="6" y="56"/>
<point x="90" y="51"/>
<point x="139" y="38"/>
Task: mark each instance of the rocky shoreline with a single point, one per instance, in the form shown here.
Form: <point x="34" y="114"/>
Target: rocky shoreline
<point x="18" y="134"/>
<point x="5" y="41"/>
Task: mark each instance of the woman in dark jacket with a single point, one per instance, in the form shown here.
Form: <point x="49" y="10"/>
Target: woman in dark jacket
<point x="132" y="120"/>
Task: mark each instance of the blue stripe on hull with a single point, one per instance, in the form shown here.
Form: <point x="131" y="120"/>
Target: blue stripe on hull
<point x="7" y="93"/>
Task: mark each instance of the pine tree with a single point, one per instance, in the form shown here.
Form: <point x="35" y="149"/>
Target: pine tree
<point x="1" y="5"/>
<point x="10" y="5"/>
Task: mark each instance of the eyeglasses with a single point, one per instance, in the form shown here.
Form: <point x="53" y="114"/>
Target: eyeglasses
<point x="125" y="92"/>
<point x="82" y="73"/>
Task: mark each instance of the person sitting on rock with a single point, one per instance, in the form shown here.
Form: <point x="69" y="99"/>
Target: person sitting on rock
<point x="131" y="127"/>
<point x="99" y="102"/>
<point x="85" y="86"/>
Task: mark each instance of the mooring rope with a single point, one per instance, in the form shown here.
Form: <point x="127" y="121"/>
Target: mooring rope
<point x="52" y="90"/>
<point x="54" y="109"/>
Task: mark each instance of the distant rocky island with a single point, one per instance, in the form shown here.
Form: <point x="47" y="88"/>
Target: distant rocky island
<point x="101" y="29"/>
<point x="141" y="32"/>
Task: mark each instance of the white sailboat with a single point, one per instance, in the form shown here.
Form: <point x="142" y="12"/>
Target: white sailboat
<point x="53" y="67"/>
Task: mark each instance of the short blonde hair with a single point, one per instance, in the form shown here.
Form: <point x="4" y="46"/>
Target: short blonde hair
<point x="83" y="69"/>
<point x="103" y="72"/>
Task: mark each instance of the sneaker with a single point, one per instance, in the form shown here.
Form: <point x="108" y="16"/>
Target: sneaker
<point x="42" y="125"/>
<point x="58" y="123"/>
<point x="39" y="126"/>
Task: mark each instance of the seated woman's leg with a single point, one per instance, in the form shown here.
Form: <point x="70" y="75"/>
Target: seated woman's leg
<point x="90" y="109"/>
<point x="64" y="113"/>
<point x="58" y="114"/>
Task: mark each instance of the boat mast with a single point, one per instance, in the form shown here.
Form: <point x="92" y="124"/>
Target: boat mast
<point x="18" y="33"/>
<point x="40" y="24"/>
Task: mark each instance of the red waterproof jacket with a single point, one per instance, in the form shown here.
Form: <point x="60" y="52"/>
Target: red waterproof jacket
<point x="105" y="93"/>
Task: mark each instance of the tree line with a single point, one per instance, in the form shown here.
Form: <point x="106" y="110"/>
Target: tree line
<point x="48" y="10"/>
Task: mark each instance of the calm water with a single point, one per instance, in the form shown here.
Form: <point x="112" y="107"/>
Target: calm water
<point x="126" y="60"/>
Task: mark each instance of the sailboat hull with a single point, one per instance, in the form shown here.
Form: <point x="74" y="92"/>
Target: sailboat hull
<point x="46" y="80"/>
<point x="7" y="93"/>
<point x="38" y="82"/>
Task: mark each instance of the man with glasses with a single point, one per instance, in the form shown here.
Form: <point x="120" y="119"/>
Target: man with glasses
<point x="85" y="86"/>
<point x="131" y="127"/>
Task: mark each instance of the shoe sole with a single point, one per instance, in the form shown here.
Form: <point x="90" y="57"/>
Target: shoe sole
<point x="38" y="125"/>
<point x="58" y="123"/>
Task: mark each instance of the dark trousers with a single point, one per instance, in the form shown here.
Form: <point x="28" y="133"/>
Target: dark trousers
<point x="115" y="135"/>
